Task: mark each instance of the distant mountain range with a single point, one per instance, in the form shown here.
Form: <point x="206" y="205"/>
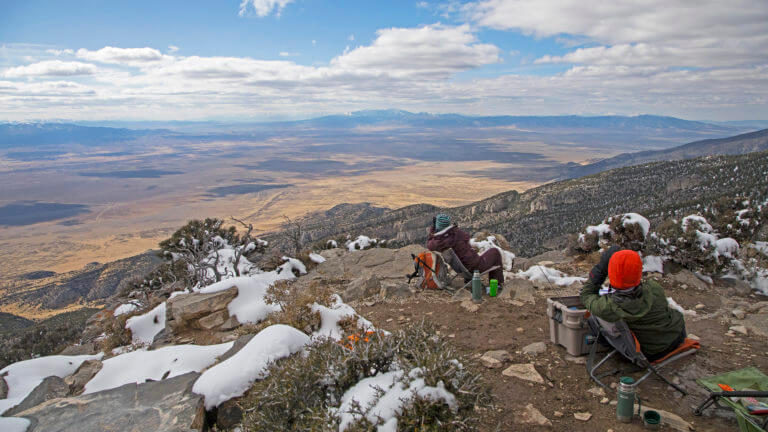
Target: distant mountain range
<point x="739" y="144"/>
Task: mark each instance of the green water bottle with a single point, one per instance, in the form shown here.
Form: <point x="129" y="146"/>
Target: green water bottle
<point x="625" y="407"/>
<point x="477" y="287"/>
<point x="494" y="287"/>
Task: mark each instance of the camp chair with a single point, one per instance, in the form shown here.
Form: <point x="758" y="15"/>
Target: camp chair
<point x="453" y="261"/>
<point x="618" y="336"/>
<point x="747" y="378"/>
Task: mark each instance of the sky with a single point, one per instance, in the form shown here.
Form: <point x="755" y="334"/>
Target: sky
<point x="253" y="60"/>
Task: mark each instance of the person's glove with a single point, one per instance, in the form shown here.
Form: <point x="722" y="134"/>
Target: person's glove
<point x="599" y="272"/>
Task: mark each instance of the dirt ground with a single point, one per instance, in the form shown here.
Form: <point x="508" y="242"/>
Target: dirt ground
<point x="502" y="325"/>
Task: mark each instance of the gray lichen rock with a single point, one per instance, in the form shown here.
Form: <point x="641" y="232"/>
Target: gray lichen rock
<point x="188" y="310"/>
<point x="87" y="370"/>
<point x="168" y="405"/>
<point x="51" y="388"/>
<point x="3" y="387"/>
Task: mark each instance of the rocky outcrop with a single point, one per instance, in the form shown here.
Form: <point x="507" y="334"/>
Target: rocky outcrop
<point x="51" y="388"/>
<point x="167" y="405"/>
<point x="87" y="370"/>
<point x="200" y="311"/>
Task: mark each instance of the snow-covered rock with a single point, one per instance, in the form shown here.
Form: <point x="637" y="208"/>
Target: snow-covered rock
<point x="162" y="363"/>
<point x="22" y="377"/>
<point x="234" y="376"/>
<point x="546" y="275"/>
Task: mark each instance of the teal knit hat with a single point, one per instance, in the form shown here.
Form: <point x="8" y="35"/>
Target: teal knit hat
<point x="442" y="221"/>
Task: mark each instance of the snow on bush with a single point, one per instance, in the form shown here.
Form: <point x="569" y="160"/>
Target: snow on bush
<point x="628" y="230"/>
<point x="166" y="362"/>
<point x="292" y="266"/>
<point x="332" y="244"/>
<point x="22" y="377"/>
<point x="507" y="257"/>
<point x="331" y="316"/>
<point x="145" y="327"/>
<point x="361" y="242"/>
<point x="385" y="408"/>
<point x="653" y="263"/>
<point x="234" y="376"/>
<point x="543" y="274"/>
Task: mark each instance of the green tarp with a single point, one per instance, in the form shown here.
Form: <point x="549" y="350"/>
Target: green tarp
<point x="743" y="379"/>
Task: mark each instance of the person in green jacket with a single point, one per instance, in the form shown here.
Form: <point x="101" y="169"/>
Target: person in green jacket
<point x="641" y="304"/>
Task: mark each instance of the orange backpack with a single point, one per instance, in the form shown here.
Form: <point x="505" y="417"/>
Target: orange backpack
<point x="431" y="270"/>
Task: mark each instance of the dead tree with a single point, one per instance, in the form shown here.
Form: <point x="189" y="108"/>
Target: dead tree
<point x="293" y="231"/>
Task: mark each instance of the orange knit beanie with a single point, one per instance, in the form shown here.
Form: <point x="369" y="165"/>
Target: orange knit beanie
<point x="625" y="269"/>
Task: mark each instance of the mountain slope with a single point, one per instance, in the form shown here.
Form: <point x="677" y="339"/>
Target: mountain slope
<point x="739" y="144"/>
<point x="539" y="218"/>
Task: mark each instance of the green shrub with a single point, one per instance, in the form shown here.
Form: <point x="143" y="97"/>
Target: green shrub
<point x="303" y="392"/>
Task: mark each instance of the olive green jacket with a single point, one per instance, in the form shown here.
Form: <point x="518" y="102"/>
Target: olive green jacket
<point x="648" y="315"/>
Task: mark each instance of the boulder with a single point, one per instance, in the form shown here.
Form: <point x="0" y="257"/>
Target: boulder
<point x="757" y="324"/>
<point x="213" y="320"/>
<point x="532" y="416"/>
<point x="51" y="388"/>
<point x="524" y="371"/>
<point x="383" y="263"/>
<point x="494" y="359"/>
<point x="184" y="309"/>
<point x="168" y="405"/>
<point x="87" y="370"/>
<point x="523" y="289"/>
<point x="390" y="289"/>
<point x="363" y="287"/>
<point x="229" y="414"/>
<point x="535" y="348"/>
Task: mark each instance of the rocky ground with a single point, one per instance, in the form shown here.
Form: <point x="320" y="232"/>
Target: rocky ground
<point x="536" y="385"/>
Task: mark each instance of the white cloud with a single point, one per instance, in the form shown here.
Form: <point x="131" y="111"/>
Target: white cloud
<point x="288" y="54"/>
<point x="172" y="48"/>
<point x="50" y="68"/>
<point x="706" y="33"/>
<point x="351" y="38"/>
<point x="60" y="52"/>
<point x="436" y="50"/>
<point x="263" y="7"/>
<point x="127" y="56"/>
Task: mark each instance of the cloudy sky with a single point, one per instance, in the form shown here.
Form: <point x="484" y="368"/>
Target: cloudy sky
<point x="287" y="59"/>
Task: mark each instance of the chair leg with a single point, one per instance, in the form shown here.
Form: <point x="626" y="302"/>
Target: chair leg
<point x="597" y="366"/>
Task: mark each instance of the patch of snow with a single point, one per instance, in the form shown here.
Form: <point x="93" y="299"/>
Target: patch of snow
<point x="178" y="293"/>
<point x="166" y="362"/>
<point x="601" y="230"/>
<point x="234" y="376"/>
<point x="330" y="317"/>
<point x="507" y="257"/>
<point x="634" y="218"/>
<point x="22" y="377"/>
<point x="316" y="258"/>
<point x="389" y="405"/>
<point x="14" y="424"/>
<point x="703" y="277"/>
<point x="249" y="306"/>
<point x="292" y="264"/>
<point x="126" y="308"/>
<point x="698" y="222"/>
<point x="760" y="283"/>
<point x="145" y="327"/>
<point x="761" y="247"/>
<point x="540" y="273"/>
<point x="727" y="247"/>
<point x="360" y="243"/>
<point x="674" y="305"/>
<point x="705" y="240"/>
<point x="332" y="244"/>
<point x="653" y="263"/>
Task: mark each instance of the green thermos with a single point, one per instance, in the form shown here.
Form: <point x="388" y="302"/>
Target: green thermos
<point x="625" y="407"/>
<point x="477" y="287"/>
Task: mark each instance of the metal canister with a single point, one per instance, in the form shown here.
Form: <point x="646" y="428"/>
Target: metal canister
<point x="625" y="407"/>
<point x="477" y="287"/>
